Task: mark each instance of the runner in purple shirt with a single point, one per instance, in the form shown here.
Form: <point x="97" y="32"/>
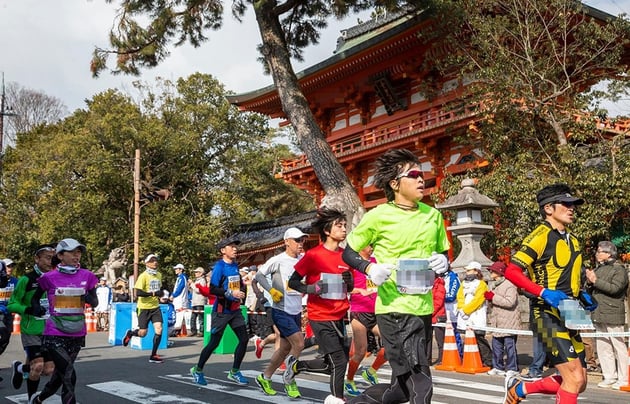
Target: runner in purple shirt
<point x="68" y="287"/>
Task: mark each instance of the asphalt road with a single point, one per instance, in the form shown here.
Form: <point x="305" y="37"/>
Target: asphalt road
<point x="114" y="374"/>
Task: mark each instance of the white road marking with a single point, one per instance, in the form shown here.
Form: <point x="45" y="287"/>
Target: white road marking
<point x="140" y="394"/>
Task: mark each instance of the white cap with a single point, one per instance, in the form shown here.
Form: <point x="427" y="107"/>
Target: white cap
<point x="199" y="269"/>
<point x="294" y="233"/>
<point x="69" y="244"/>
<point x="8" y="261"/>
<point x="150" y="257"/>
<point x="179" y="266"/>
<point x="473" y="265"/>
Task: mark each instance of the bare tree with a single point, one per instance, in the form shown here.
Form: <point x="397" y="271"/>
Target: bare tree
<point x="30" y="108"/>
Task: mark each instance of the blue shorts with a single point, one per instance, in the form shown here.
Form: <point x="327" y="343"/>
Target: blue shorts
<point x="287" y="324"/>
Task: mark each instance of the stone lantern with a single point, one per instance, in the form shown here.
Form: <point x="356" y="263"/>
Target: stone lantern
<point x="469" y="227"/>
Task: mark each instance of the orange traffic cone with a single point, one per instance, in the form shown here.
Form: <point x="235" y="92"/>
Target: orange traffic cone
<point x="450" y="354"/>
<point x="16" y="324"/>
<point x="90" y="320"/>
<point x="182" y="331"/>
<point x="472" y="359"/>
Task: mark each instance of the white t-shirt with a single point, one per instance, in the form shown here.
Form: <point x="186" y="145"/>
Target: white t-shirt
<point x="280" y="268"/>
<point x="103" y="293"/>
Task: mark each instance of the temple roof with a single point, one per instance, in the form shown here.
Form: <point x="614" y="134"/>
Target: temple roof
<point x="351" y="43"/>
<point x="261" y="234"/>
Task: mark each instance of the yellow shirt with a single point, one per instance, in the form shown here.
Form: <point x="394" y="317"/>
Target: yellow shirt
<point x="149" y="283"/>
<point x="552" y="259"/>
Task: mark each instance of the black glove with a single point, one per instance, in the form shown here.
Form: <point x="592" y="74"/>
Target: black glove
<point x="348" y="279"/>
<point x="317" y="288"/>
<point x="36" y="311"/>
<point x="263" y="300"/>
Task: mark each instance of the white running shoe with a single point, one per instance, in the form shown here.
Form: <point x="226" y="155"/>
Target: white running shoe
<point x="496" y="372"/>
<point x="330" y="399"/>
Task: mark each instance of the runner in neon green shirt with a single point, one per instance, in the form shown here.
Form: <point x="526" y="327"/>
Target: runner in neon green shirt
<point x="402" y="228"/>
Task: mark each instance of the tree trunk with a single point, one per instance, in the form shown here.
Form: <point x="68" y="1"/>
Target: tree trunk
<point x="340" y="194"/>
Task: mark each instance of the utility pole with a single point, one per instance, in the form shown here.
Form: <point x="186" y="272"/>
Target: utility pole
<point x="136" y="219"/>
<point x="4" y="111"/>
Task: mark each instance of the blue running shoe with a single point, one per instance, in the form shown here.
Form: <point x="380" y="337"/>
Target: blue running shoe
<point x="198" y="376"/>
<point x="238" y="378"/>
<point x="351" y="388"/>
<point x="369" y="377"/>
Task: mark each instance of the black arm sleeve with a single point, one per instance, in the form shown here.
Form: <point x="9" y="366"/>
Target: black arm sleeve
<point x="39" y="292"/>
<point x="353" y="259"/>
<point x="217" y="290"/>
<point x="295" y="282"/>
<point x="91" y="298"/>
<point x="142" y="293"/>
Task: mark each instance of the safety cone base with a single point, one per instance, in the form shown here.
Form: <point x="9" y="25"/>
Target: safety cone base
<point x="450" y="354"/>
<point x="472" y="360"/>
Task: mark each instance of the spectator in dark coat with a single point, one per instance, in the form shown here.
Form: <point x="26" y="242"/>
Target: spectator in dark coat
<point x="608" y="284"/>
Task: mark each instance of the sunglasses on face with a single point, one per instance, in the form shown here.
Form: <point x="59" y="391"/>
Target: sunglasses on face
<point x="414" y="174"/>
<point x="565" y="204"/>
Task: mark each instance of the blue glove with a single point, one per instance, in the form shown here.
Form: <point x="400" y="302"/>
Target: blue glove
<point x="553" y="297"/>
<point x="588" y="302"/>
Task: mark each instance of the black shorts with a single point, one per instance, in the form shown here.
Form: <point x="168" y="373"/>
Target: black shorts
<point x="404" y="338"/>
<point x="146" y="315"/>
<point x="221" y="320"/>
<point x="367" y="319"/>
<point x="330" y="336"/>
<point x="561" y="344"/>
<point x="33" y="347"/>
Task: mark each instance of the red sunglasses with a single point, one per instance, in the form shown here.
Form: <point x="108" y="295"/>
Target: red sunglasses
<point x="415" y="174"/>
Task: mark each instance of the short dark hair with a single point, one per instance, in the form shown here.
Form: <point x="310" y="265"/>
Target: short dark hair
<point x="389" y="165"/>
<point x="326" y="217"/>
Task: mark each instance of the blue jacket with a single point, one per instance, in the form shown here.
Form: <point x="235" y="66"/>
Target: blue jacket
<point x="452" y="286"/>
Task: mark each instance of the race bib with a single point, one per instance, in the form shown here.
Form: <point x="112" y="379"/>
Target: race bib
<point x="5" y="294"/>
<point x="414" y="276"/>
<point x="69" y="300"/>
<point x="234" y="283"/>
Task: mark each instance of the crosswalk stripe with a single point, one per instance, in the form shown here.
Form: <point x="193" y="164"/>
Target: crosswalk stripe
<point x="467" y="384"/>
<point x="140" y="394"/>
<point x="251" y="391"/>
<point x="23" y="399"/>
<point x="437" y="380"/>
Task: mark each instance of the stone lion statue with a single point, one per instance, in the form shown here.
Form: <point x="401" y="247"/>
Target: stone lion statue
<point x="115" y="266"/>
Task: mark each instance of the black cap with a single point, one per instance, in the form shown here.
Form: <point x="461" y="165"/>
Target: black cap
<point x="557" y="193"/>
<point x="44" y="247"/>
<point x="226" y="242"/>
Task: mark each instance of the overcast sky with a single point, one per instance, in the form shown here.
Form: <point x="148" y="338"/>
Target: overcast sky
<point x="47" y="45"/>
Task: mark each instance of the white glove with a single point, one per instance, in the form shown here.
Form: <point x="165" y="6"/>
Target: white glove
<point x="379" y="273"/>
<point x="438" y="263"/>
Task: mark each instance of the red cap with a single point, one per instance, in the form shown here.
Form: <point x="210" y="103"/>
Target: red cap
<point x="498" y="267"/>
